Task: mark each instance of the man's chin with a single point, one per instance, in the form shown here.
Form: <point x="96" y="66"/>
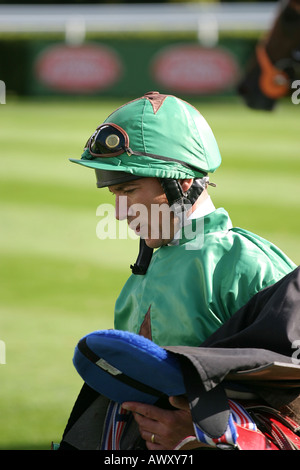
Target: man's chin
<point x="155" y="243"/>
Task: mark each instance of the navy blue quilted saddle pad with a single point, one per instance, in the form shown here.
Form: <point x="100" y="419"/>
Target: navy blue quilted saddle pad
<point x="125" y="366"/>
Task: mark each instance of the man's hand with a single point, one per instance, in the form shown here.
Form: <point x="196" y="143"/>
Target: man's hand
<point x="163" y="429"/>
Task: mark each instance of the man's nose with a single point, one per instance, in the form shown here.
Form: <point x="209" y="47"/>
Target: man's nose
<point x="121" y="207"/>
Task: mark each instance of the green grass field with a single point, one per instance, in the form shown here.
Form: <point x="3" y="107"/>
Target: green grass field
<point x="59" y="281"/>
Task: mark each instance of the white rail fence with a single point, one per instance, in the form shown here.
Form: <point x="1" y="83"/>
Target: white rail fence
<point x="75" y="21"/>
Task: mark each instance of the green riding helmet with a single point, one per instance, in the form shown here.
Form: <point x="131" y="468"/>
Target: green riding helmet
<point x="157" y="136"/>
<point x="153" y="136"/>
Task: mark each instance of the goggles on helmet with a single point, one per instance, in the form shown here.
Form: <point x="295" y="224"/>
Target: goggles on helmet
<point x="110" y="140"/>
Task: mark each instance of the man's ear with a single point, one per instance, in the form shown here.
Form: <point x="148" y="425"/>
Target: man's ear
<point x="186" y="184"/>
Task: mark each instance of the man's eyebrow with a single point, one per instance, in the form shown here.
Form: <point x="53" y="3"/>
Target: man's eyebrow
<point x="123" y="186"/>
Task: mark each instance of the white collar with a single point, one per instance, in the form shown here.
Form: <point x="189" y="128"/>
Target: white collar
<point x="205" y="208"/>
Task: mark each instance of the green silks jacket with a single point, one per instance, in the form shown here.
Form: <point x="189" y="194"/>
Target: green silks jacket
<point x="192" y="288"/>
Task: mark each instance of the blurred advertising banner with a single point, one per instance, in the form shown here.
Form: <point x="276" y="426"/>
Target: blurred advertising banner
<point x="193" y="69"/>
<point x="131" y="67"/>
<point x="89" y="68"/>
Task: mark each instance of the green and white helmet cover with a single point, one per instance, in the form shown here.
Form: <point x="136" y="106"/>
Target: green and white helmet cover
<point x="160" y="125"/>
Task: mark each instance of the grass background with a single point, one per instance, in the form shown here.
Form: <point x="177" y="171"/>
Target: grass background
<point x="58" y="281"/>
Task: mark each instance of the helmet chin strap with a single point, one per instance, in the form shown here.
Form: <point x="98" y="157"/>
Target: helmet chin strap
<point x="180" y="202"/>
<point x="143" y="260"/>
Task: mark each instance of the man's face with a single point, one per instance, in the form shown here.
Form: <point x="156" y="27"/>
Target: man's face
<point x="144" y="204"/>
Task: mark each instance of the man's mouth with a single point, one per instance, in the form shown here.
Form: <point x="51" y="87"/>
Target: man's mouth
<point x="136" y="227"/>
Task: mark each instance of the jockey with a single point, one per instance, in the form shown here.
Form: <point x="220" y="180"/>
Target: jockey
<point x="194" y="269"/>
<point x="157" y="150"/>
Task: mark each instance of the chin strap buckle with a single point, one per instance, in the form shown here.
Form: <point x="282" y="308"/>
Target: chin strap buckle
<point x="143" y="260"/>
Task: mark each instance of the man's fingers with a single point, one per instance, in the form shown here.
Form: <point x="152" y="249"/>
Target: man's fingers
<point x="148" y="424"/>
<point x="153" y="412"/>
<point x="180" y="402"/>
<point x="161" y="428"/>
<point x="149" y="411"/>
